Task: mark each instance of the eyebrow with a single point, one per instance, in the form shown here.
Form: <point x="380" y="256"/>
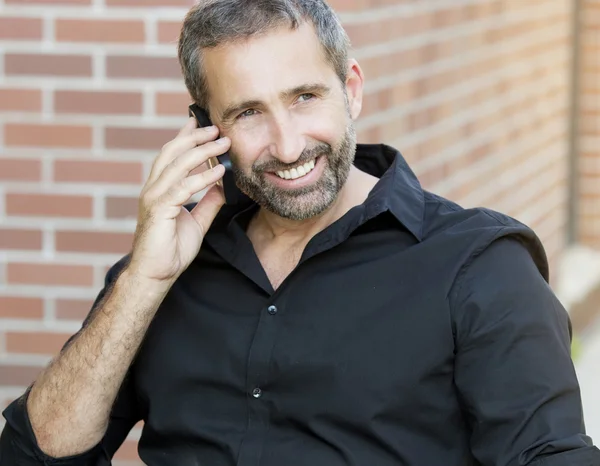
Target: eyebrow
<point x="235" y="108"/>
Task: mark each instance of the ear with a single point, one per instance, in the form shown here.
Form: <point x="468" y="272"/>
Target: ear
<point x="354" y="87"/>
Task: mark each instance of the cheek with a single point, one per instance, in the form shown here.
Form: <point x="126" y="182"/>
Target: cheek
<point x="245" y="151"/>
<point x="327" y="132"/>
<point x="327" y="127"/>
<point x="330" y="123"/>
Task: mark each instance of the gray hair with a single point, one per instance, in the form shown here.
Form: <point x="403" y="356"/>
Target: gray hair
<point x="211" y="23"/>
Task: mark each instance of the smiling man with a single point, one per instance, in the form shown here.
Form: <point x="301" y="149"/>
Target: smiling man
<point x="339" y="316"/>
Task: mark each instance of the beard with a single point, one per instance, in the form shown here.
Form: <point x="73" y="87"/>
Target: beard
<point x="308" y="201"/>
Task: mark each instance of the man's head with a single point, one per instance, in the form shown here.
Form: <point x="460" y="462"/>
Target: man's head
<point x="275" y="76"/>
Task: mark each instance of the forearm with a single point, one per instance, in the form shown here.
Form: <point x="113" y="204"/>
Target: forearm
<point x="70" y="402"/>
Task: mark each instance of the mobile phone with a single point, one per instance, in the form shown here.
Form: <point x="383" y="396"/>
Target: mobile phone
<point x="232" y="193"/>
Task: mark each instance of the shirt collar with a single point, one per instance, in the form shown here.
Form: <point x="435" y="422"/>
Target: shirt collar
<point x="398" y="189"/>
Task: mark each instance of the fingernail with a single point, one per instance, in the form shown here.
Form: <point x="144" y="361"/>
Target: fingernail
<point x="209" y="128"/>
<point x="222" y="140"/>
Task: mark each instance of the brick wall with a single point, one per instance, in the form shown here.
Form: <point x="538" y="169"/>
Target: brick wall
<point x="475" y="93"/>
<point x="476" y="97"/>
<point x="589" y="124"/>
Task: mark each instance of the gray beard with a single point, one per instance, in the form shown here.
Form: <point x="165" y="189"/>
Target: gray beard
<point x="310" y="201"/>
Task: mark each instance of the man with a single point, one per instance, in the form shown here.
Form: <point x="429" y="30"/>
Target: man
<point x="344" y="316"/>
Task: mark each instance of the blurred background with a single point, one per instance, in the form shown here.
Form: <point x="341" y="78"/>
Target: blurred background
<point x="494" y="103"/>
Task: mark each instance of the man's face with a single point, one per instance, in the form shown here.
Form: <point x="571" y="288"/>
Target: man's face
<point x="289" y="119"/>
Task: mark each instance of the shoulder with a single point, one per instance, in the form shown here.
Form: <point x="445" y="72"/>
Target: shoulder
<point x="480" y="231"/>
<point x="442" y="215"/>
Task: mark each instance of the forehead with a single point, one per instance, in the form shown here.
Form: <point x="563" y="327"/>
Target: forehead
<point x="263" y="65"/>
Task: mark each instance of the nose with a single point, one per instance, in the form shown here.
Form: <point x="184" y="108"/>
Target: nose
<point x="288" y="142"/>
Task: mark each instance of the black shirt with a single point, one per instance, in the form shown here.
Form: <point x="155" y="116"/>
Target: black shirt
<point x="412" y="332"/>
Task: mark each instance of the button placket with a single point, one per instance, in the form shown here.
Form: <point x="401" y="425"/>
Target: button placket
<point x="258" y="374"/>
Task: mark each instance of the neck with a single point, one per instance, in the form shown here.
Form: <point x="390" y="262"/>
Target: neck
<point x="268" y="226"/>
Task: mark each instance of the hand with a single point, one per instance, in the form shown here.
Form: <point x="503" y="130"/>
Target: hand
<point x="168" y="236"/>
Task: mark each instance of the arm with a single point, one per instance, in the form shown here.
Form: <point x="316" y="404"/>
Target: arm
<point x="75" y="393"/>
<point x="68" y="408"/>
<point x="513" y="370"/>
<point x="18" y="444"/>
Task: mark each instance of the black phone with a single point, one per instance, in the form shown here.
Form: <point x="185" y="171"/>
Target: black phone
<point x="232" y="193"/>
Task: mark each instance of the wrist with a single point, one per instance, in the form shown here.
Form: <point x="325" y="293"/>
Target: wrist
<point x="133" y="280"/>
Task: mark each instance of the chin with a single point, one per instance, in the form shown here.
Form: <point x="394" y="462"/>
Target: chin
<point x="304" y="207"/>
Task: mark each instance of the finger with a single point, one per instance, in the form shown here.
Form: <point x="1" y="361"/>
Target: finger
<point x="189" y="126"/>
<point x="179" y="145"/>
<point x="180" y="167"/>
<point x="205" y="211"/>
<point x="180" y="193"/>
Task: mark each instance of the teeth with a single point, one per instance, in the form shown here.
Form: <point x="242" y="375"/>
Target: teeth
<point x="297" y="172"/>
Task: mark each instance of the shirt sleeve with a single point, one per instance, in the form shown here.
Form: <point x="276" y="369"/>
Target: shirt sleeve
<point x="513" y="368"/>
<point x="18" y="445"/>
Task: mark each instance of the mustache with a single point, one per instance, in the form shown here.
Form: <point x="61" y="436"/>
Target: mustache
<point x="306" y="156"/>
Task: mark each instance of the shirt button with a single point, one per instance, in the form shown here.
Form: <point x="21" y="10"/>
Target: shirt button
<point x="272" y="310"/>
<point x="257" y="393"/>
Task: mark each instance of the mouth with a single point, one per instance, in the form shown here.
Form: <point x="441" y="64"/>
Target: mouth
<point x="300" y="176"/>
<point x="296" y="172"/>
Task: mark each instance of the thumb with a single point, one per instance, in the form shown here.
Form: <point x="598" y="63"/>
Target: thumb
<point x="205" y="211"/>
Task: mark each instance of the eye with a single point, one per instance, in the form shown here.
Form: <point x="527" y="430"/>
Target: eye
<point x="305" y="97"/>
<point x="247" y="113"/>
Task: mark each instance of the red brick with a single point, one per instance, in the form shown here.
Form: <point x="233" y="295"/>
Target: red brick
<point x="143" y="67"/>
<point x="73" y="309"/>
<point x="20" y="239"/>
<point x="99" y="102"/>
<point x="47" y="65"/>
<point x="98" y="172"/>
<point x="377" y="102"/>
<point x="172" y="103"/>
<point x="347" y="5"/>
<point x="402" y="60"/>
<point x="35" y="342"/>
<point x="48" y="205"/>
<point x="14" y="307"/>
<point x="50" y="274"/>
<point x="150" y="3"/>
<point x="48" y="2"/>
<point x="449" y="17"/>
<point x="168" y="31"/>
<point x="389" y="29"/>
<point x="18" y="376"/>
<point x="20" y="28"/>
<point x="93" y="242"/>
<point x="80" y="30"/>
<point x="20" y="170"/>
<point x="121" y="207"/>
<point x="32" y="135"/>
<point x="138" y="138"/>
<point x="20" y="100"/>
